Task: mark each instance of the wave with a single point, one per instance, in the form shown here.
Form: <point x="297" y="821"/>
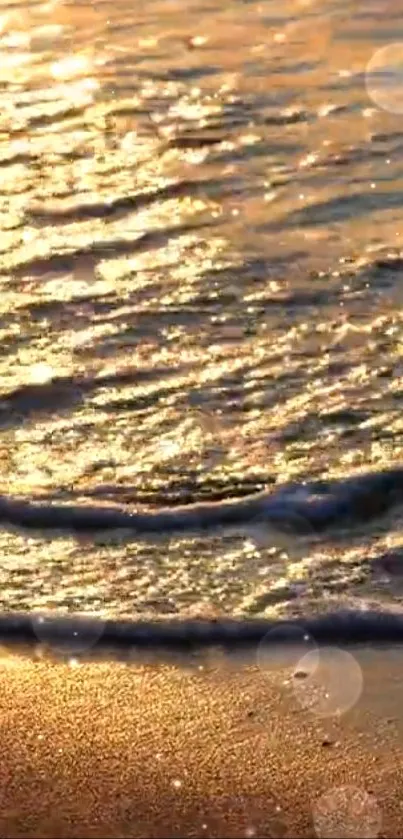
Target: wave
<point x="92" y="638"/>
<point x="309" y="508"/>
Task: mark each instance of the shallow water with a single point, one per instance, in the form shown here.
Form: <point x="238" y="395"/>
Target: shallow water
<point x="201" y="292"/>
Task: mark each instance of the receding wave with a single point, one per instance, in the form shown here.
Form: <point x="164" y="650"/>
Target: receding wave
<point x="310" y="508"/>
<point x="129" y="640"/>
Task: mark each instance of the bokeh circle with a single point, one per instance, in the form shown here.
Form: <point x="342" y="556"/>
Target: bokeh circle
<point x="68" y="635"/>
<point x="282" y="648"/>
<point x="347" y="811"/>
<point x="384" y="78"/>
<point x="328" y="682"/>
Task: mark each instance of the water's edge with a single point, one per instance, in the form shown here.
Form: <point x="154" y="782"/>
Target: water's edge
<point x="88" y="639"/>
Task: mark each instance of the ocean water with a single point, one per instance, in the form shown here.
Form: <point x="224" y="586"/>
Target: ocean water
<point x="201" y="293"/>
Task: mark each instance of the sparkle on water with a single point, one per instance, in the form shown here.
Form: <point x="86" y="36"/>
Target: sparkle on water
<point x="200" y="290"/>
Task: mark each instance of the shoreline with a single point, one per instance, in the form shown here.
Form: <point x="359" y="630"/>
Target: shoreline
<point x="271" y="747"/>
<point x="41" y="635"/>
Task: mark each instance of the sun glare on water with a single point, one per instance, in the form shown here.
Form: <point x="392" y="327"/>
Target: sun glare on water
<point x="71" y="67"/>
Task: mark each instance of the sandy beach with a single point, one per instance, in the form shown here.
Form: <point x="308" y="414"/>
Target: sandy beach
<point x="233" y="749"/>
<point x="201" y="265"/>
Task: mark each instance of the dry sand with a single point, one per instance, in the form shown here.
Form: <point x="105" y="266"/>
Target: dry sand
<point x="227" y="750"/>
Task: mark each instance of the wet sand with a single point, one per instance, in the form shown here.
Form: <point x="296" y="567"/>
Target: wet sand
<point x="224" y="748"/>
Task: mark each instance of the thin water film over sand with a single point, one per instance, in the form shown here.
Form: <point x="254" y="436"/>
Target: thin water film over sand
<point x="201" y="293"/>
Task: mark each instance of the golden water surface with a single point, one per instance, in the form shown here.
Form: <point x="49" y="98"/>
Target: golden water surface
<point x="201" y="210"/>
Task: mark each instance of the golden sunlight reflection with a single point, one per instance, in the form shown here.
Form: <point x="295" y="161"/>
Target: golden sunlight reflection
<point x="10" y="662"/>
<point x="194" y="108"/>
<point x="4" y="22"/>
<point x="40" y="373"/>
<point x="71" y="66"/>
